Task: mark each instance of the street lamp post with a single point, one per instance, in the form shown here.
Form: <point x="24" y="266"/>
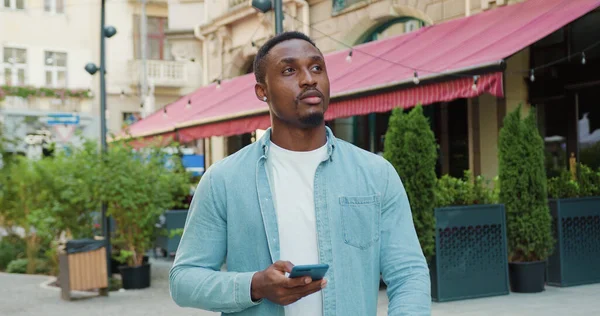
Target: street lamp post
<point x="91" y="68"/>
<point x="266" y="5"/>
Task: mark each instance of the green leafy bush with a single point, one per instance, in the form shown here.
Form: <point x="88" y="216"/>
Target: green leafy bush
<point x="563" y="186"/>
<point x="21" y="266"/>
<point x="411" y="148"/>
<point x="452" y="191"/>
<point x="138" y="188"/>
<point x="523" y="183"/>
<point x="57" y="197"/>
<point x="11" y="247"/>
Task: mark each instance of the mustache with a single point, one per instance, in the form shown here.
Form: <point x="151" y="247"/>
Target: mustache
<point x="313" y="90"/>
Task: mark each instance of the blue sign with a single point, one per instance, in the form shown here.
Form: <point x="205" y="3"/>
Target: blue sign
<point x="193" y="164"/>
<point x="62" y="119"/>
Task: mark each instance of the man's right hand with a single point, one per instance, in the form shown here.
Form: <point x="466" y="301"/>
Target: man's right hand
<point x="272" y="284"/>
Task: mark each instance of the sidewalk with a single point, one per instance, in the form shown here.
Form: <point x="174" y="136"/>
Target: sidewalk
<point x="23" y="295"/>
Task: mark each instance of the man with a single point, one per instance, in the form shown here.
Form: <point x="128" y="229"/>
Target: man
<point x="299" y="196"/>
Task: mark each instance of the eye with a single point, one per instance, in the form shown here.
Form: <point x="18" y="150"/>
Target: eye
<point x="317" y="68"/>
<point x="288" y="71"/>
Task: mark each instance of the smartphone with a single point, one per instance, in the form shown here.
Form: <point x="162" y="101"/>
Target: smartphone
<point x="314" y="271"/>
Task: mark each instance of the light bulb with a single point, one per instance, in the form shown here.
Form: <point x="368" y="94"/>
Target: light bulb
<point x="583" y="58"/>
<point x="349" y="57"/>
<point x="532" y="76"/>
<point x="189" y="104"/>
<point x="416" y="78"/>
<point x="475" y="80"/>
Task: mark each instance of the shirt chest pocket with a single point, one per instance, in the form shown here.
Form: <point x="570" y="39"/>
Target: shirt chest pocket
<point x="360" y="220"/>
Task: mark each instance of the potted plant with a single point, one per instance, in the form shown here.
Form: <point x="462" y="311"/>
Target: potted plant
<point x="411" y="148"/>
<point x="523" y="191"/>
<point x="575" y="209"/>
<point x="138" y="187"/>
<point x="470" y="239"/>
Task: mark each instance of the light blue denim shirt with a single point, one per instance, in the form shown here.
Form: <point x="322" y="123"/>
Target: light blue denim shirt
<point x="364" y="228"/>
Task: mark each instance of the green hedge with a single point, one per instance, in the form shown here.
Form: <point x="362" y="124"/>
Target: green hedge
<point x="59" y="196"/>
<point x="523" y="185"/>
<point x="468" y="190"/>
<point x="20" y="266"/>
<point x="411" y="148"/>
<point x="563" y="186"/>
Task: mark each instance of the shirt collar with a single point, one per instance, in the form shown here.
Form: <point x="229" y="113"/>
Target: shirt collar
<point x="265" y="142"/>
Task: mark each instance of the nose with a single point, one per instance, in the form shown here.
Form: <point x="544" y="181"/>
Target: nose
<point x="307" y="79"/>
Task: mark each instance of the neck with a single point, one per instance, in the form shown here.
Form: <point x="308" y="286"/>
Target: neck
<point x="298" y="139"/>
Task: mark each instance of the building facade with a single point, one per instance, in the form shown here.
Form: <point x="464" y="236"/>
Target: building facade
<point x="225" y="35"/>
<point x="46" y="96"/>
<point x="44" y="46"/>
<point x="231" y="32"/>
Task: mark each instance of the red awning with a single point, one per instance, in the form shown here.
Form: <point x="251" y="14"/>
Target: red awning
<point x="368" y="84"/>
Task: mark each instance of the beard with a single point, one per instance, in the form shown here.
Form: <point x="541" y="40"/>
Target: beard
<point x="312" y="120"/>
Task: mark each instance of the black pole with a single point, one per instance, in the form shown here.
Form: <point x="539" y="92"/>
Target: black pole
<point x="278" y="7"/>
<point x="105" y="219"/>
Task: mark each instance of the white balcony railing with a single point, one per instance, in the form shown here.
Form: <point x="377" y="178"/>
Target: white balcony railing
<point x="46" y="104"/>
<point x="161" y="73"/>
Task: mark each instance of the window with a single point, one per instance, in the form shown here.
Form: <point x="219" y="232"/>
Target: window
<point x="14" y="4"/>
<point x="157" y="46"/>
<point x="589" y="127"/>
<point x="340" y="5"/>
<point x="54" y="6"/>
<point x="56" y="69"/>
<point x="14" y="66"/>
<point x="130" y="118"/>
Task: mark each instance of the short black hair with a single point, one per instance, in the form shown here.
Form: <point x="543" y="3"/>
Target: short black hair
<point x="261" y="56"/>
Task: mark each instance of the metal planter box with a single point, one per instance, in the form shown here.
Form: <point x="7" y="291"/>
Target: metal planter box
<point x="576" y="228"/>
<point x="173" y="219"/>
<point x="471" y="253"/>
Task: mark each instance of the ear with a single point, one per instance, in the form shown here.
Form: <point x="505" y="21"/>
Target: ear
<point x="261" y="91"/>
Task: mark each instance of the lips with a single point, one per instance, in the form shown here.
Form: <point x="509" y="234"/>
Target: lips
<point x="312" y="97"/>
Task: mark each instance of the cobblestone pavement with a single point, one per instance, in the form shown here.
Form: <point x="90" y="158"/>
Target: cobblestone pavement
<point x="25" y="295"/>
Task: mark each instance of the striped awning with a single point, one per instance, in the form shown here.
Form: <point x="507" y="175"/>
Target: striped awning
<point x="375" y="103"/>
<point x="379" y="76"/>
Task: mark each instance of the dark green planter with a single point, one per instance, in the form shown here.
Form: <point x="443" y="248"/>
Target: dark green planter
<point x="135" y="277"/>
<point x="471" y="253"/>
<point x="527" y="277"/>
<point x="174" y="219"/>
<point x="576" y="229"/>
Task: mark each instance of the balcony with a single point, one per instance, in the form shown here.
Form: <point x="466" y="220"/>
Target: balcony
<point x="161" y="73"/>
<point x="45" y="104"/>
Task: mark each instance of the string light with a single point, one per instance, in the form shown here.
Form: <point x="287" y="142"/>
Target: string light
<point x="189" y="104"/>
<point x="532" y="76"/>
<point x="218" y="83"/>
<point x="122" y="94"/>
<point x="475" y="80"/>
<point x="349" y="57"/>
<point x="583" y="58"/>
<point x="165" y="113"/>
<point x="416" y="78"/>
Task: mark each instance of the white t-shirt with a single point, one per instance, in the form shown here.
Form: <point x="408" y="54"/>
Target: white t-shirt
<point x="291" y="177"/>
